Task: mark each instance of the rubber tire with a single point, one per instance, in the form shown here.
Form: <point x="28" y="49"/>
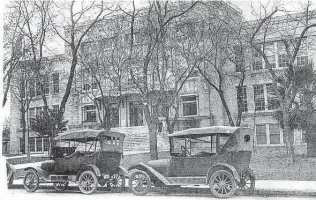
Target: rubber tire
<point x="212" y="180"/>
<point x="95" y="182"/>
<point x="36" y="178"/>
<point x="252" y="185"/>
<point x="130" y="183"/>
<point x="60" y="189"/>
<point x="119" y="189"/>
<point x="10" y="182"/>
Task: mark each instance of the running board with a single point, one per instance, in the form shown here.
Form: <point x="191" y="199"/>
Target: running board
<point x="187" y="180"/>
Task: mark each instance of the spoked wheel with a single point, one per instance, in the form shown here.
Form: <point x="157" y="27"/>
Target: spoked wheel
<point x="117" y="182"/>
<point x="139" y="183"/>
<point x="88" y="182"/>
<point x="31" y="181"/>
<point x="222" y="184"/>
<point x="60" y="186"/>
<point x="247" y="184"/>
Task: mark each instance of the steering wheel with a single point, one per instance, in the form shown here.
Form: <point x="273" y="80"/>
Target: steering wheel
<point x="184" y="151"/>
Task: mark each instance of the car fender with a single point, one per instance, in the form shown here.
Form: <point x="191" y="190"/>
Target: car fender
<point x="92" y="167"/>
<point x="41" y="173"/>
<point x="226" y="166"/>
<point x="251" y="172"/>
<point x="151" y="172"/>
<point x="122" y="171"/>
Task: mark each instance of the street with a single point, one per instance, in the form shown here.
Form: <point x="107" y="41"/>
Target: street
<point x="50" y="194"/>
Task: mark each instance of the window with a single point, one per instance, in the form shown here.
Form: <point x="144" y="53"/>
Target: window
<point x="38" y="111"/>
<point x="274" y="132"/>
<point x="239" y="57"/>
<point x="261" y="134"/>
<point x="38" y="89"/>
<point x="32" y="88"/>
<point x="90" y="113"/>
<point x="46" y="144"/>
<point x="55" y="83"/>
<point x="189" y="105"/>
<point x="243" y="98"/>
<point x="256" y="60"/>
<point x="283" y="61"/>
<point x="46" y="85"/>
<point x="272" y="98"/>
<point x="32" y="144"/>
<point x="94" y="85"/>
<point x="22" y="142"/>
<point x="271" y="60"/>
<point x="302" y="60"/>
<point x="32" y="113"/>
<point x="39" y="143"/>
<point x="86" y="86"/>
<point x="22" y="89"/>
<point x="115" y="115"/>
<point x="55" y="108"/>
<point x="259" y="97"/>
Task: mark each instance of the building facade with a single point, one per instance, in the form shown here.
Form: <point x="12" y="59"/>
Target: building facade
<point x="200" y="104"/>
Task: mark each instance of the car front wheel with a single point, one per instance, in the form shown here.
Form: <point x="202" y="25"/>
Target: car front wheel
<point x="139" y="183"/>
<point x="31" y="181"/>
<point x="222" y="184"/>
<point x="88" y="182"/>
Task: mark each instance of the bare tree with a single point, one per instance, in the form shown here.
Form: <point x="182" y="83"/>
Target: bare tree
<point x="80" y="18"/>
<point x="153" y="21"/>
<point x="103" y="71"/>
<point x="259" y="32"/>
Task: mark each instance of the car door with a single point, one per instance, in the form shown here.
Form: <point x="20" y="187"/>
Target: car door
<point x="190" y="166"/>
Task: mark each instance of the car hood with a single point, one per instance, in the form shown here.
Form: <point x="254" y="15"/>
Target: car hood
<point x="159" y="165"/>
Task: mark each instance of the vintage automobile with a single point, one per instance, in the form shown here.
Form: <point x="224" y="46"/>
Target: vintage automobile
<point x="217" y="156"/>
<point x="96" y="160"/>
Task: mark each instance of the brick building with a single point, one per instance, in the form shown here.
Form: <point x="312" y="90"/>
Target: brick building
<point x="200" y="105"/>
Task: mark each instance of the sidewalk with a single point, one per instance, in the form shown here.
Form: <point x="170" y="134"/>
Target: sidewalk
<point x="263" y="187"/>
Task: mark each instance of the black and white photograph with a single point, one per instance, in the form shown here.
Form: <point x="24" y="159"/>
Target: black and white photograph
<point x="158" y="99"/>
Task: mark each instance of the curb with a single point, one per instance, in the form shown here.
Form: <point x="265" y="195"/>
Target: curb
<point x="183" y="191"/>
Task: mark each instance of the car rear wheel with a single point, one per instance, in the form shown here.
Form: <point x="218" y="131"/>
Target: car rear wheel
<point x="60" y="186"/>
<point x="117" y="182"/>
<point x="139" y="183"/>
<point x="246" y="185"/>
<point x="88" y="182"/>
<point x="31" y="181"/>
<point x="222" y="184"/>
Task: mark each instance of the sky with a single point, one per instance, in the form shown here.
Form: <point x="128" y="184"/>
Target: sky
<point x="246" y="6"/>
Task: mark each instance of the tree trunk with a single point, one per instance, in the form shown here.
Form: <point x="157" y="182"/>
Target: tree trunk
<point x="23" y="131"/>
<point x="153" y="141"/>
<point x="289" y="138"/>
<point x="229" y="116"/>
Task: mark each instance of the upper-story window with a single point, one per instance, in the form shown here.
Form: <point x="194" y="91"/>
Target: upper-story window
<point x="302" y="55"/>
<point x="239" y="57"/>
<point x="259" y="97"/>
<point x="270" y="52"/>
<point x="256" y="59"/>
<point x="264" y="97"/>
<point x="243" y="97"/>
<point x="190" y="105"/>
<point x="46" y="84"/>
<point x="283" y="59"/>
<point x="55" y="83"/>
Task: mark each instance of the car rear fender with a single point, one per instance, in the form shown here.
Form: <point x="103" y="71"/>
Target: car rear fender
<point x="90" y="167"/>
<point x="219" y="166"/>
<point x="150" y="171"/>
<point x="122" y="171"/>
